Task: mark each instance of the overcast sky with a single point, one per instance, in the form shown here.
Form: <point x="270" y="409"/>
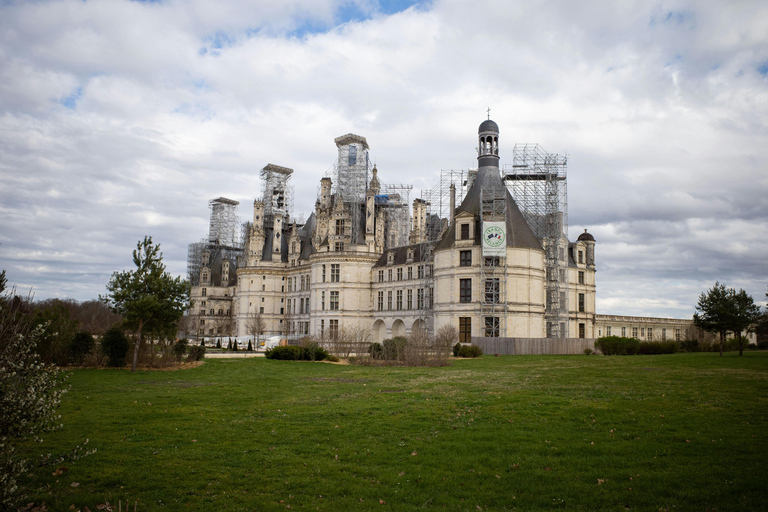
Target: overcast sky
<point x="121" y="119"/>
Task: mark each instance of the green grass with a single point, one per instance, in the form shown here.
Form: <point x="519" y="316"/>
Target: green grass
<point x="684" y="432"/>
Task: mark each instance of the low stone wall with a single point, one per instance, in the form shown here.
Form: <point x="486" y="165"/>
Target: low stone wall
<point x="533" y="346"/>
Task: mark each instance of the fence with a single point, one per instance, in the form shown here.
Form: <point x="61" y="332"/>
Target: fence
<point x="533" y="346"/>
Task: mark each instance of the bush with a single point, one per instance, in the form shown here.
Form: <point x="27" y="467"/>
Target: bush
<point x="690" y="346"/>
<point x="658" y="347"/>
<point x="114" y="344"/>
<point x="218" y="343"/>
<point x="394" y="349"/>
<point x="332" y="358"/>
<point x="752" y="346"/>
<point x="456" y="349"/>
<point x="235" y="345"/>
<point x="470" y="351"/>
<point x="229" y="345"/>
<point x="763" y="345"/>
<point x="617" y="346"/>
<point x="180" y="348"/>
<point x="588" y="352"/>
<point x="375" y="350"/>
<point x="82" y="344"/>
<point x="311" y="351"/>
<point x="287" y="353"/>
<point x="196" y="353"/>
<point x="250" y="347"/>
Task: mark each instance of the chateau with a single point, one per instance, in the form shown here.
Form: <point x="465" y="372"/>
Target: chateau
<point x="470" y="255"/>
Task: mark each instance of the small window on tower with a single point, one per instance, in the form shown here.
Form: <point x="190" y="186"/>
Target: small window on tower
<point x="352" y="155"/>
<point x="465" y="231"/>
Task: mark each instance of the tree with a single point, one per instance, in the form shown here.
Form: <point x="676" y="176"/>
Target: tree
<point x="255" y="325"/>
<point x="148" y="298"/>
<point x="114" y="344"/>
<point x="722" y="309"/>
<point x="30" y="392"/>
<point x="746" y="315"/>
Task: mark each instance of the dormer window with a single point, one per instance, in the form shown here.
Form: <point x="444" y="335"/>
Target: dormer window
<point x="464" y="231"/>
<point x="581" y="257"/>
<point x="390" y="258"/>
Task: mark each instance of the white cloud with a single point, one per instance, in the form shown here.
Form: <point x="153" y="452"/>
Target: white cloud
<point x="120" y="119"/>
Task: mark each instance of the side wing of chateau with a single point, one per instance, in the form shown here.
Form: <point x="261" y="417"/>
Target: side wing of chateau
<point x="471" y="255"/>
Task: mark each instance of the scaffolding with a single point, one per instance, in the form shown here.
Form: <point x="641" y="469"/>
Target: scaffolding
<point x="394" y="200"/>
<point x="493" y="269"/>
<point x="225" y="236"/>
<point x="352" y="168"/>
<point x="538" y="182"/>
<point x="277" y="192"/>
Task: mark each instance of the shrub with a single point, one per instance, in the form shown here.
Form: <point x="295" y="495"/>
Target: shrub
<point x="375" y="350"/>
<point x="394" y="349"/>
<point x="287" y="353"/>
<point x="202" y="342"/>
<point x="752" y="346"/>
<point x="229" y="345"/>
<point x="617" y="346"/>
<point x="332" y="358"/>
<point x="234" y="345"/>
<point x="114" y="344"/>
<point x="588" y="352"/>
<point x="250" y="347"/>
<point x="763" y="345"/>
<point x="82" y="344"/>
<point x="196" y="353"/>
<point x="311" y="351"/>
<point x="690" y="346"/>
<point x="456" y="349"/>
<point x="658" y="347"/>
<point x="218" y="343"/>
<point x="470" y="351"/>
<point x="180" y="348"/>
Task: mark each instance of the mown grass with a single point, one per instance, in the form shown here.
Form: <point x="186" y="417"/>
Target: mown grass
<point x="682" y="432"/>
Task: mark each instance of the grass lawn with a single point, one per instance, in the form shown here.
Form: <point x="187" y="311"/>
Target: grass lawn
<point x="671" y="432"/>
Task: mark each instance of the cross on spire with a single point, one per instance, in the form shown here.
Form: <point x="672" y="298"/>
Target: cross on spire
<point x="489" y="113"/>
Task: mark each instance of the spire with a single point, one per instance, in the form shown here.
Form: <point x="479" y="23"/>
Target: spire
<point x="488" y="144"/>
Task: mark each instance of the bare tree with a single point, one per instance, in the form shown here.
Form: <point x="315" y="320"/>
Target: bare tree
<point x="255" y="326"/>
<point x="188" y="325"/>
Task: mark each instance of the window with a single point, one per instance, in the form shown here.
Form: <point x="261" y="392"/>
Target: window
<point x="322" y="328"/>
<point x="623" y="332"/>
<point x="677" y="334"/>
<point x="202" y="312"/>
<point x="381" y="301"/>
<point x="399" y="300"/>
<point x="212" y="312"/>
<point x="581" y="256"/>
<point x="263" y="287"/>
<point x="389" y="300"/>
<point x="205" y="278"/>
<point x="410" y="299"/>
<point x="581" y="303"/>
<point x="491" y="326"/>
<point x="281" y="311"/>
<point x="352" y="154"/>
<point x="410" y="272"/>
<point x="338" y="247"/>
<point x="465" y="231"/>
<point x="420" y="298"/>
<point x="663" y="335"/>
<point x="221" y="311"/>
<point x="491" y="261"/>
<point x="261" y="309"/>
<point x="581" y="330"/>
<point x="492" y="291"/>
<point x="650" y="333"/>
<point x="333" y="328"/>
<point x="634" y="332"/>
<point x="465" y="329"/>
<point x="400" y="274"/>
<point x="465" y="258"/>
<point x="642" y="332"/>
<point x="335" y="272"/>
<point x="302" y="283"/>
<point x="421" y="271"/>
<point x="334" y="300"/>
<point x="608" y="331"/>
<point x="389" y="275"/>
<point x="204" y="292"/>
<point x="322" y="301"/>
<point x="323" y="273"/>
<point x="430" y="294"/>
<point x="202" y="303"/>
<point x="581" y="277"/>
<point x="381" y="276"/>
<point x="301" y="306"/>
<point x="339" y="227"/>
<point x="465" y="290"/>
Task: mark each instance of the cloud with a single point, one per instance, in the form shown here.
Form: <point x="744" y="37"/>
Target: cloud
<point x="120" y="119"/>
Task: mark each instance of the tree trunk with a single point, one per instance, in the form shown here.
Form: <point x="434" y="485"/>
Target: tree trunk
<point x="741" y="344"/>
<point x="722" y="342"/>
<point x="136" y="347"/>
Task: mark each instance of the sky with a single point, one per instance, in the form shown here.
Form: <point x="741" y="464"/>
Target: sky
<point x="120" y="119"/>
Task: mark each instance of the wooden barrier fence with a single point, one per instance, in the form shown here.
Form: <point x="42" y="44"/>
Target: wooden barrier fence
<point x="533" y="346"/>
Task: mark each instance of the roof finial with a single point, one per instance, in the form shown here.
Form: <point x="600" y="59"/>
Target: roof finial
<point x="489" y="113"/>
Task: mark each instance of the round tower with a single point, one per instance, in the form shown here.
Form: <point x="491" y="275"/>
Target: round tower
<point x="488" y="144"/>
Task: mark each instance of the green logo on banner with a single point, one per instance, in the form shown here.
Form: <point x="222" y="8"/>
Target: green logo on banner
<point x="494" y="236"/>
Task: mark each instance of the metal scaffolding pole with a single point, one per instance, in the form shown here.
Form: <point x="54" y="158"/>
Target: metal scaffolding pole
<point x="493" y="269"/>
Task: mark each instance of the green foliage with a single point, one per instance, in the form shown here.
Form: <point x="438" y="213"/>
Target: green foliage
<point x="114" y="344"/>
<point x="332" y="358"/>
<point x="690" y="346"/>
<point x="58" y="330"/>
<point x="617" y="346"/>
<point x="470" y="351"/>
<point x="658" y="347"/>
<point x="233" y="344"/>
<point x="218" y="343"/>
<point x="375" y="350"/>
<point x="180" y="348"/>
<point x="311" y="351"/>
<point x="394" y="349"/>
<point x="82" y="345"/>
<point x="229" y="345"/>
<point x="284" y="353"/>
<point x="722" y="309"/>
<point x="456" y="349"/>
<point x="196" y="353"/>
<point x="588" y="352"/>
<point x="250" y="347"/>
<point x="149" y="298"/>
